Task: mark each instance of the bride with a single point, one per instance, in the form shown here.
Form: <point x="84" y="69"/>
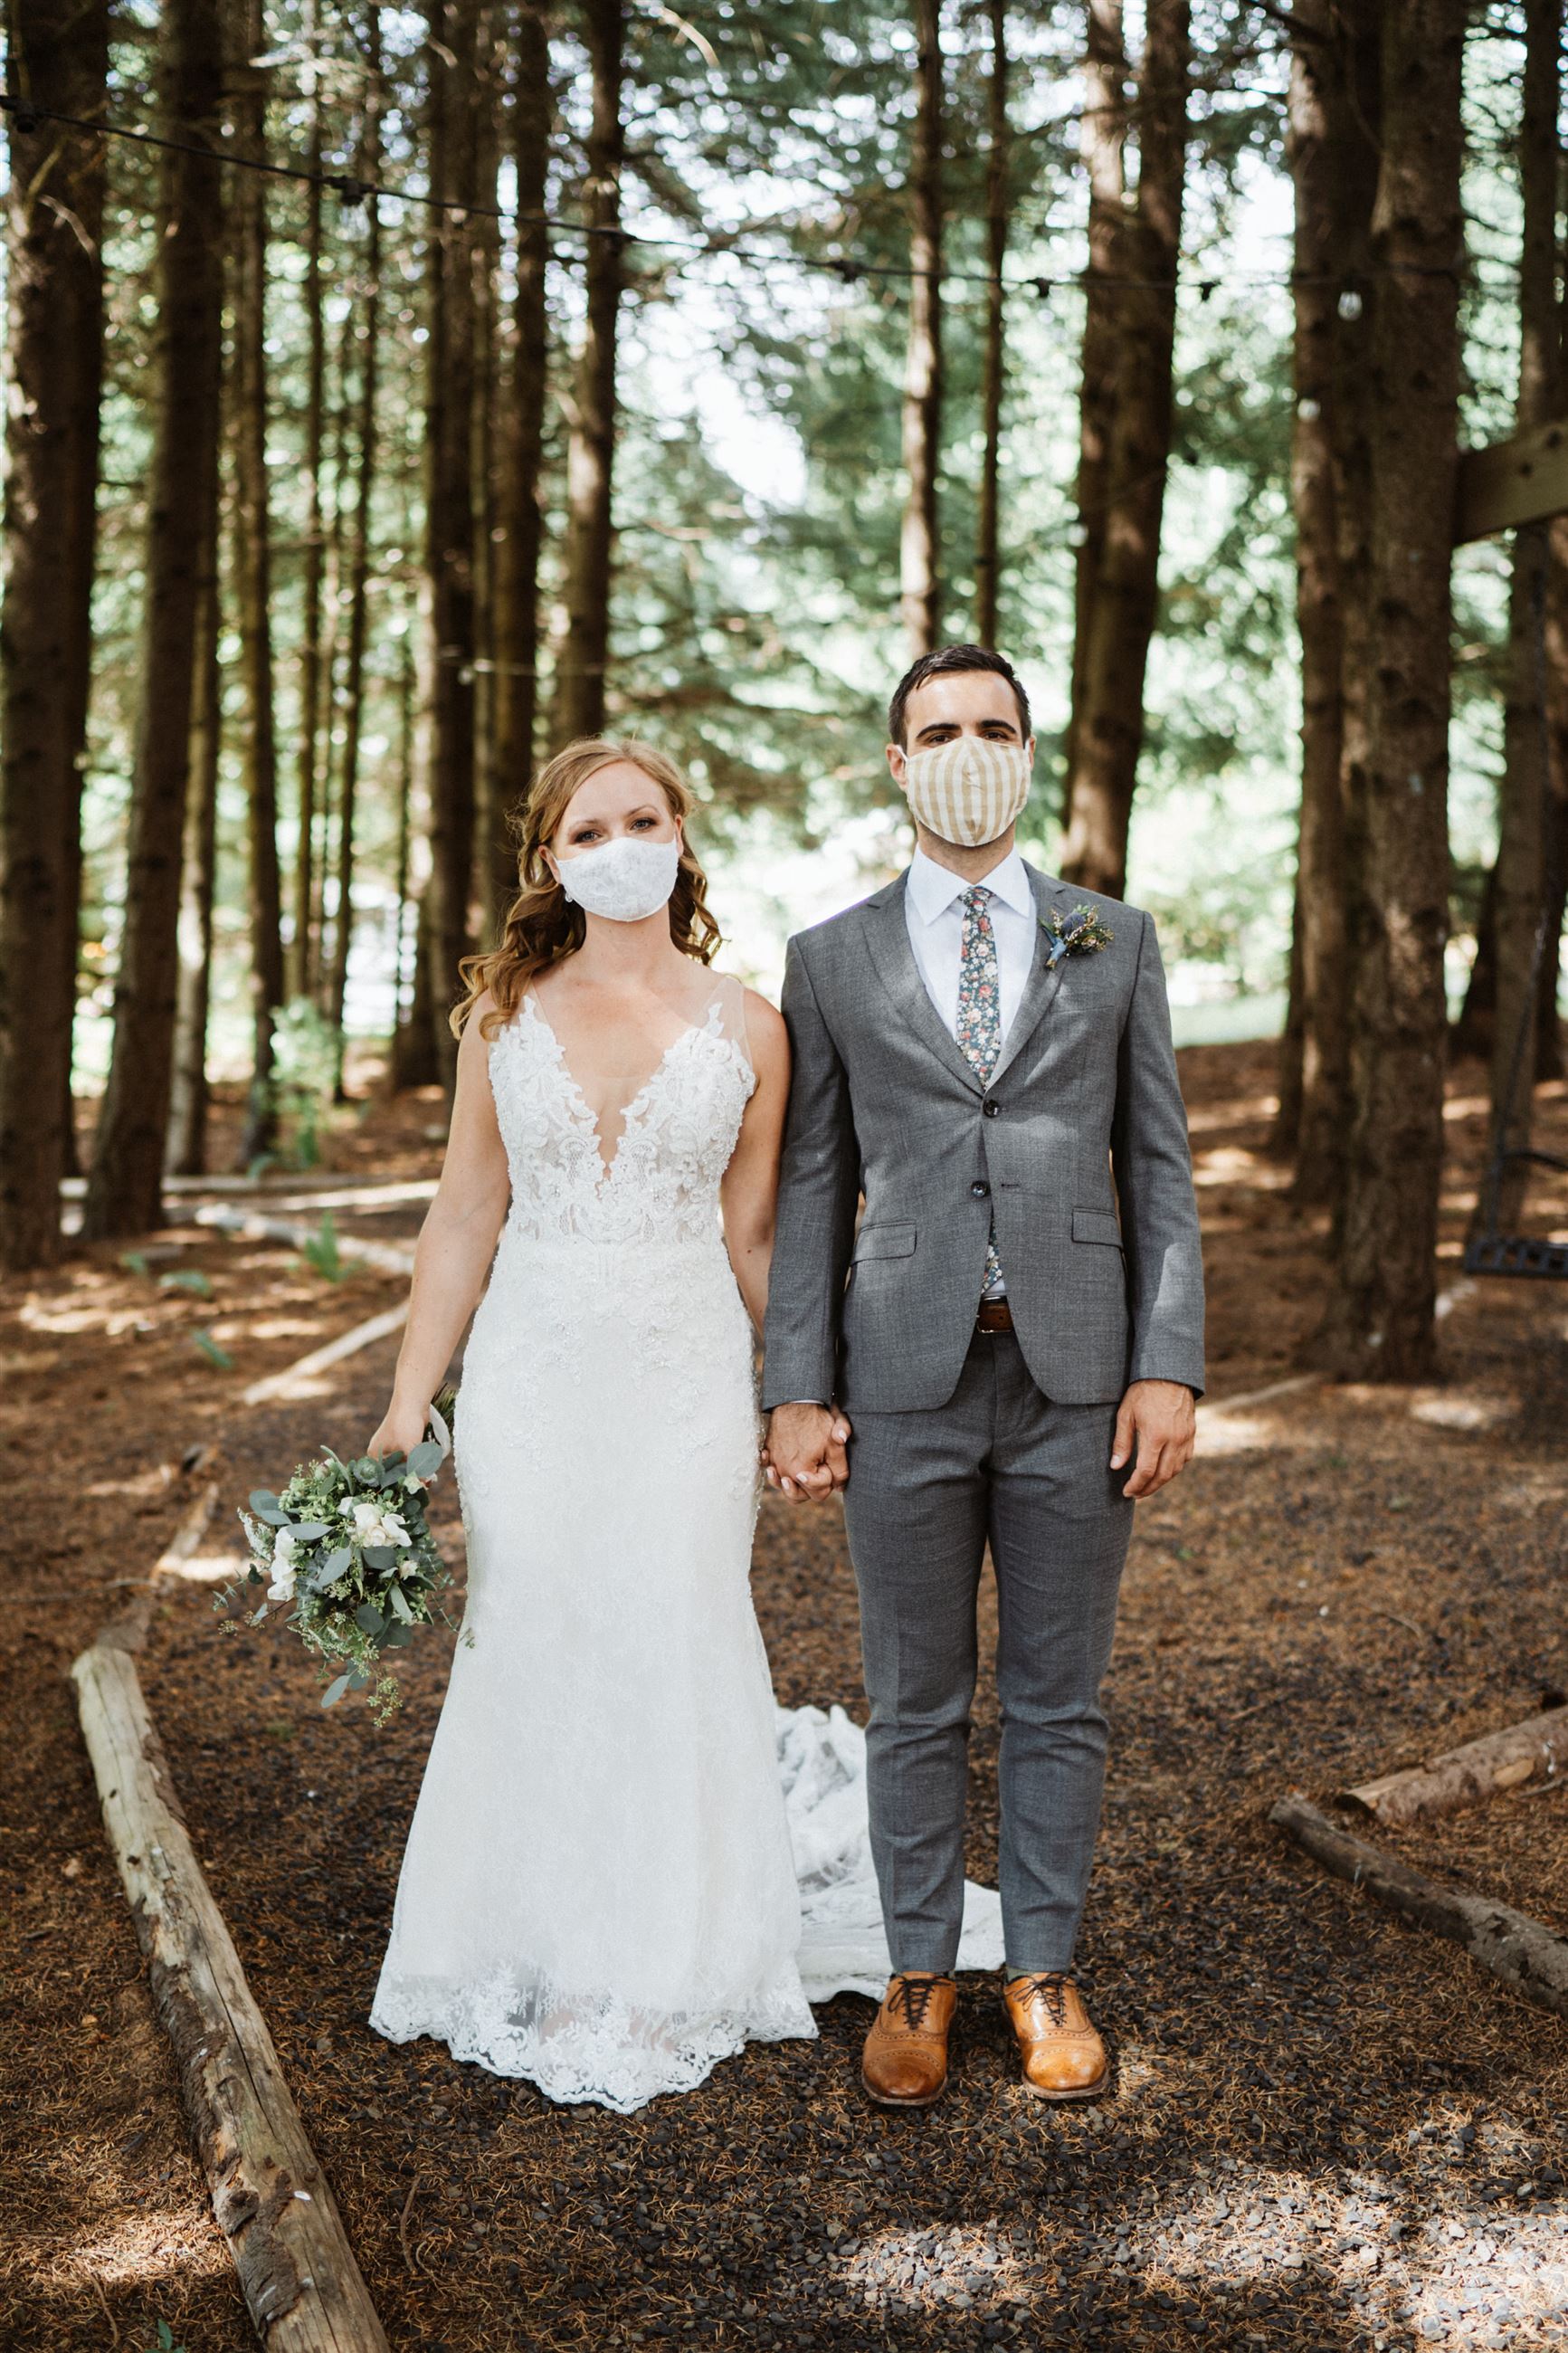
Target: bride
<point x="599" y="1891"/>
<point x="624" y="1863"/>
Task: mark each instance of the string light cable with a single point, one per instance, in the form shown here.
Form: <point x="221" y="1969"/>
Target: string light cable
<point x="354" y="192"/>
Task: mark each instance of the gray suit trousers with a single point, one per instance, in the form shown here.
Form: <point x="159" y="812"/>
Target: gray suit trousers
<point x="999" y="1462"/>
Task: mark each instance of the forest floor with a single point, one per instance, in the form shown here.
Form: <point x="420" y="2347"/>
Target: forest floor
<point x="1324" y="2130"/>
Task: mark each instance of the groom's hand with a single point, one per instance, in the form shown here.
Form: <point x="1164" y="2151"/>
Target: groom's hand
<point x="1157" y="1421"/>
<point x="805" y="1451"/>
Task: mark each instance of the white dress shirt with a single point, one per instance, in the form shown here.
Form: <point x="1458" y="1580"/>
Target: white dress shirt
<point x="935" y="919"/>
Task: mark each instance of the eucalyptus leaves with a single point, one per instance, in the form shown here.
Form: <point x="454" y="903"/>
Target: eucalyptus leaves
<point x="349" y="1545"/>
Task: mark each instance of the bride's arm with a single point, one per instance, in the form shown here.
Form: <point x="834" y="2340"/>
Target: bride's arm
<point x="456" y="1243"/>
<point x="749" y="1196"/>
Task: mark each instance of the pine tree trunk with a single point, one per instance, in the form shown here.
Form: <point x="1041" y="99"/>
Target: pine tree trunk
<point x="584" y="657"/>
<point x="186" y="1154"/>
<point x="124" y="1185"/>
<point x="519" y="515"/>
<point x="253" y="538"/>
<point x="1522" y="892"/>
<point x="1332" y="156"/>
<point x="449" y="505"/>
<point x="920" y="541"/>
<point x="1379" y="1323"/>
<point x="1102" y="134"/>
<point x="988" y="555"/>
<point x="359" y="554"/>
<point x="405" y="842"/>
<point x="488" y="332"/>
<point x="1109" y="728"/>
<point x="1549" y="1056"/>
<point x="55" y="366"/>
<point x="304" y="945"/>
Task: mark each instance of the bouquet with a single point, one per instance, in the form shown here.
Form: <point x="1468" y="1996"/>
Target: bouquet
<point x="349" y="1545"/>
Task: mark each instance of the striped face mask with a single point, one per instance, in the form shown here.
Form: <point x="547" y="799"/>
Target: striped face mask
<point x="969" y="791"/>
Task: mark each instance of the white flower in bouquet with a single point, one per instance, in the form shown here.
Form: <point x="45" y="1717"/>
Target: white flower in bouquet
<point x="284" y="1566"/>
<point x="374" y="1523"/>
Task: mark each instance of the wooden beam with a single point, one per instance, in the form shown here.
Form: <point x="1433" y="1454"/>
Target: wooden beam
<point x="1524" y="1953"/>
<point x="1506" y="483"/>
<point x="271" y="2198"/>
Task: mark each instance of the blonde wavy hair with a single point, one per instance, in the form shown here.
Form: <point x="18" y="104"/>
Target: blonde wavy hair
<point x="544" y="927"/>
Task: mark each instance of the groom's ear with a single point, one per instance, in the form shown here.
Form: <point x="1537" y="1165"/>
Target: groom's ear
<point x="898" y="760"/>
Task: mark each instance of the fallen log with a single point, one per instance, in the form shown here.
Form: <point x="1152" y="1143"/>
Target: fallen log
<point x="300" y="2279"/>
<point x="1534" y="1751"/>
<point x="1524" y="1953"/>
<point x="388" y="1258"/>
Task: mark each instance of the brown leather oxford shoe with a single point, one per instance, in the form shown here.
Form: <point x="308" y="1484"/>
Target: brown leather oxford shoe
<point x="904" y="2063"/>
<point x="1064" y="2058"/>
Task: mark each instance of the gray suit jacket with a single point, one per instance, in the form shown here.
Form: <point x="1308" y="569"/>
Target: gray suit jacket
<point x="1079" y="1145"/>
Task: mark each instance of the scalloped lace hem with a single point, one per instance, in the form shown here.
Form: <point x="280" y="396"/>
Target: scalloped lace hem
<point x="608" y="2054"/>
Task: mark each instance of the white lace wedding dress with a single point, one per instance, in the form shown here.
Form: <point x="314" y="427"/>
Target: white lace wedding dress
<point x="600" y="1887"/>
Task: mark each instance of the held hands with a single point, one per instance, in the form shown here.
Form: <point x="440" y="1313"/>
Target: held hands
<point x="805" y="1457"/>
<point x="1157" y="1420"/>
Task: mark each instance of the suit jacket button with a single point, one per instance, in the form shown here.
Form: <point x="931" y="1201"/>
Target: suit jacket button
<point x="990" y="1109"/>
<point x="980" y="1190"/>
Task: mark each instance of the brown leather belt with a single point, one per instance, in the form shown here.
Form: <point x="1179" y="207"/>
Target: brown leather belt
<point x="993" y="1315"/>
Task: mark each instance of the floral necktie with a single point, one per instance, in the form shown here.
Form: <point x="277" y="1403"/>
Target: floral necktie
<point x="980" y="1025"/>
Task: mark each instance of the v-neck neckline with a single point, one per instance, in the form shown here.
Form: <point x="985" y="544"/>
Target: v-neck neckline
<point x="575" y="1087"/>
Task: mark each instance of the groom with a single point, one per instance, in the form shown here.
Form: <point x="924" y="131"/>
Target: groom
<point x="1004" y="1348"/>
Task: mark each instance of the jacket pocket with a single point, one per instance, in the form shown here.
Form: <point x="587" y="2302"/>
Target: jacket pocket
<point x="1096" y="1225"/>
<point x="884" y="1242"/>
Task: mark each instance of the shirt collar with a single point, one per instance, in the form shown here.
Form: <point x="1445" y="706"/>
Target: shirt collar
<point x="932" y="888"/>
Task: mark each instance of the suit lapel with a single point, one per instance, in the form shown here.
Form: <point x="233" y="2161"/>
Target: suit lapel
<point x="888" y="938"/>
<point x="1045" y="978"/>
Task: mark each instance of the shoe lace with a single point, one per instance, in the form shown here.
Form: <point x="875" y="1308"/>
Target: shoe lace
<point x="1050" y="1988"/>
<point x="912" y="1996"/>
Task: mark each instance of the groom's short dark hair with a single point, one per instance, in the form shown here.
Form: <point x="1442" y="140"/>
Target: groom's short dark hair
<point x="945" y="662"/>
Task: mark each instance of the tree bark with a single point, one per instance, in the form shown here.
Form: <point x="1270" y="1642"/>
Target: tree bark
<point x="187" y="1146"/>
<point x="55" y="369"/>
<point x="304" y="945"/>
<point x="449" y="502"/>
<point x="252" y="541"/>
<point x="1379" y="1322"/>
<point x="1332" y="156"/>
<point x="988" y="555"/>
<point x="359" y="552"/>
<point x="124" y="1184"/>
<point x="919" y="540"/>
<point x="582" y="664"/>
<point x="1521" y="889"/>
<point x="519" y="514"/>
<point x="1102" y="134"/>
<point x="405" y="834"/>
<point x="1108" y="730"/>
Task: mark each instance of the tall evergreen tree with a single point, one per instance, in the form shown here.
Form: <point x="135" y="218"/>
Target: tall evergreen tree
<point x="55" y="367"/>
<point x="1380" y="1316"/>
<point x="450" y="500"/>
<point x="1108" y="721"/>
<point x="584" y="657"/>
<point x="919" y="544"/>
<point x="124" y="1192"/>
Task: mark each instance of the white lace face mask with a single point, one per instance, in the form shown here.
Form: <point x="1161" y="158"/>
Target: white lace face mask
<point x="624" y="881"/>
<point x="969" y="791"/>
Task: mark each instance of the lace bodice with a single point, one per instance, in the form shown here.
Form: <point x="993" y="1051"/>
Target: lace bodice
<point x="677" y="1138"/>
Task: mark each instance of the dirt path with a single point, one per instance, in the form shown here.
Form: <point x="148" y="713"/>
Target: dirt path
<point x="1325" y="2131"/>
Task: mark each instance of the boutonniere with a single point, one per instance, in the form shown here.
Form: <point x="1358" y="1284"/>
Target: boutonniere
<point x="1080" y="933"/>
